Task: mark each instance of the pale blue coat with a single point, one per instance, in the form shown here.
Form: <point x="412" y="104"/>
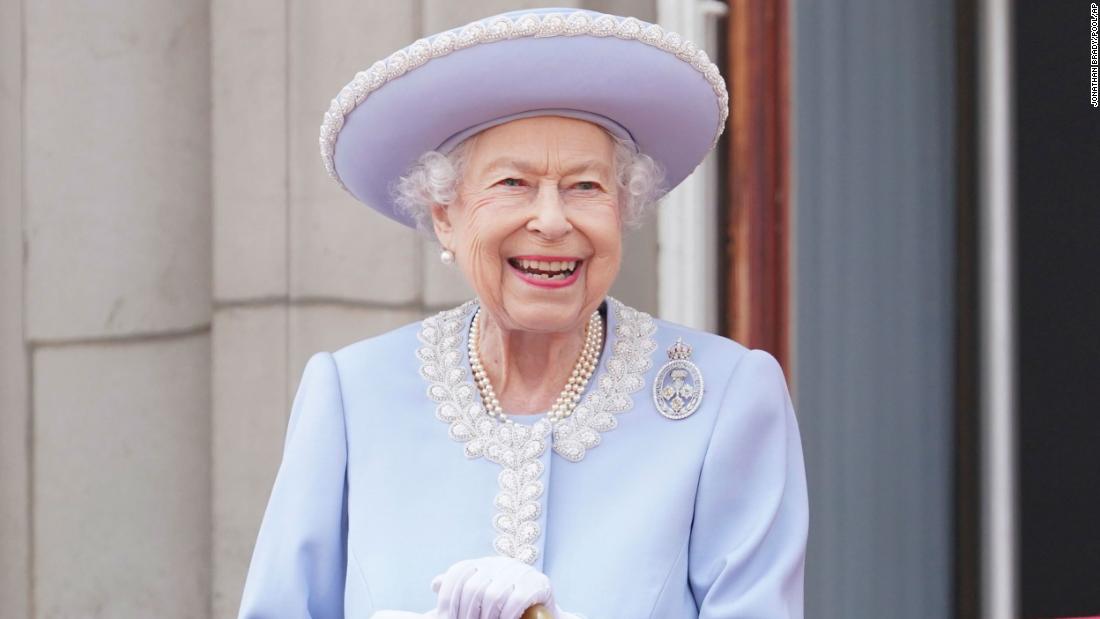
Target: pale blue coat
<point x="383" y="487"/>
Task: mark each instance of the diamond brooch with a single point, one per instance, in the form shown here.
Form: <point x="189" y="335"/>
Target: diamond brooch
<point x="678" y="388"/>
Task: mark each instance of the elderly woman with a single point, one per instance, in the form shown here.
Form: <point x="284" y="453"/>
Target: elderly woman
<point x="542" y="443"/>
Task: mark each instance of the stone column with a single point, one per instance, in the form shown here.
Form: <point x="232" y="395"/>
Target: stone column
<point x="249" y="364"/>
<point x="116" y="226"/>
<point x="14" y="421"/>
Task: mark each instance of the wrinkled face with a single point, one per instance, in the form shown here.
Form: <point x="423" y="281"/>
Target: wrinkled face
<point x="536" y="227"/>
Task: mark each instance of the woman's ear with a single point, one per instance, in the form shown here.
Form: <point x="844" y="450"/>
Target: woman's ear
<point x="441" y="223"/>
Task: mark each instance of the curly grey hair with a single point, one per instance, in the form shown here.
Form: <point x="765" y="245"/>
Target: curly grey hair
<point x="434" y="178"/>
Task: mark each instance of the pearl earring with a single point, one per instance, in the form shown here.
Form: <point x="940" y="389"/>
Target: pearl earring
<point x="447" y="257"/>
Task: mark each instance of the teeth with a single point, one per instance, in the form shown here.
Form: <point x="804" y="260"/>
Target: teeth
<point x="549" y="268"/>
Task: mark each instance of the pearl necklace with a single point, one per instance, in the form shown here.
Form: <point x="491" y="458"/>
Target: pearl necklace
<point x="570" y="395"/>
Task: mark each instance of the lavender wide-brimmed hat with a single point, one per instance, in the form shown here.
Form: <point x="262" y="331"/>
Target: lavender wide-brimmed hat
<point x="631" y="77"/>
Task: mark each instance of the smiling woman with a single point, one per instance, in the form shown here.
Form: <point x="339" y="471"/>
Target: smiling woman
<point x="694" y="507"/>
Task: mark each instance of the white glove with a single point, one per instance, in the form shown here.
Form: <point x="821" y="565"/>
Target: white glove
<point x="401" y="614"/>
<point x="492" y="588"/>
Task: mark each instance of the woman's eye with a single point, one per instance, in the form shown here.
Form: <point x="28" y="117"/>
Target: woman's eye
<point x="511" y="182"/>
<point x="587" y="185"/>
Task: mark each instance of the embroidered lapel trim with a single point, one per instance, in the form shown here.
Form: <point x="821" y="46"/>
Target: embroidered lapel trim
<point x="621" y="376"/>
<point x="518" y="447"/>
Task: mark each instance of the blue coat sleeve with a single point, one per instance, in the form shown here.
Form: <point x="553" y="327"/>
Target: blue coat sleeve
<point x="748" y="538"/>
<point x="300" y="560"/>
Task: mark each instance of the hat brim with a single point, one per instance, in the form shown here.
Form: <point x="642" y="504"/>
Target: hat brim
<point x="669" y="105"/>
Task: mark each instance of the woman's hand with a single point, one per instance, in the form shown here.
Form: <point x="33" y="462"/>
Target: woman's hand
<point x="492" y="588"/>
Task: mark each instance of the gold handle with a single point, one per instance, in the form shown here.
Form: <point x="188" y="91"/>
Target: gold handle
<point x="538" y="611"/>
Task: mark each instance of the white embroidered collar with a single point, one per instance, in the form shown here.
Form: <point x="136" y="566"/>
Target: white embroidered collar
<point x="517" y="447"/>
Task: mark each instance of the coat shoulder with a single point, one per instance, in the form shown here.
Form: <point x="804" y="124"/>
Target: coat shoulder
<point x="708" y="350"/>
<point x="379" y="350"/>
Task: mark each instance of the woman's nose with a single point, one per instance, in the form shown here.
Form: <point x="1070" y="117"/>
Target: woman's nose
<point x="549" y="218"/>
